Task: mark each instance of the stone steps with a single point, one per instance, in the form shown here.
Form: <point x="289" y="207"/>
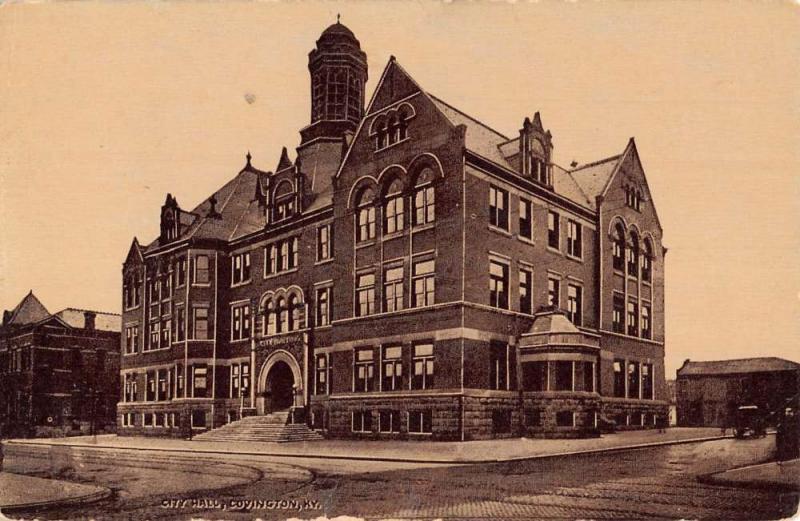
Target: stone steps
<point x="271" y="428"/>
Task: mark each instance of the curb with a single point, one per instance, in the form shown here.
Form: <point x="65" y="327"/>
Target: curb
<point x="714" y="478"/>
<point x="622" y="448"/>
<point x="71" y="501"/>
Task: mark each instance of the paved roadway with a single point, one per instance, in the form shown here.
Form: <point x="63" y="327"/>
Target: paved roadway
<point x="654" y="483"/>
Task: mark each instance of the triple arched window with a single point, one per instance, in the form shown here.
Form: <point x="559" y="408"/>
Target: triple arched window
<point x="283" y="313"/>
<point x="392" y="127"/>
<point x="633" y="255"/>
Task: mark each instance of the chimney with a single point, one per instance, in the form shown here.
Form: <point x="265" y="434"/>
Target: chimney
<point x="89" y="320"/>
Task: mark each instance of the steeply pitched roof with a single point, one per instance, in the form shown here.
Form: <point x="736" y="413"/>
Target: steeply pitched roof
<point x="739" y="366"/>
<point x="102" y="322"/>
<point x="480" y="138"/>
<point x="594" y="177"/>
<point x="29" y="310"/>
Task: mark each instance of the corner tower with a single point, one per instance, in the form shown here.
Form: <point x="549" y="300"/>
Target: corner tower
<point x="338" y="69"/>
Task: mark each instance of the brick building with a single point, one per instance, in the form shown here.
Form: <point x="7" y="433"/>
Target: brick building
<point x="708" y="393"/>
<point x="410" y="273"/>
<point x="59" y="372"/>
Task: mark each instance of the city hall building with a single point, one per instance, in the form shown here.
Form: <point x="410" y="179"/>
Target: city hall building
<point x="409" y="273"/>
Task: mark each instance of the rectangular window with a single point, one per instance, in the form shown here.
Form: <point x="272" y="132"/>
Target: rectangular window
<point x="553" y="292"/>
<point x="647" y="331"/>
<point x="365" y="229"/>
<point x="324" y="244"/>
<point x="131" y="339"/>
<point x="424" y="205"/>
<point x="130" y="388"/>
<point x="198" y="419"/>
<point x="633" y="319"/>
<point x="163" y="385"/>
<point x="498" y="207"/>
<point x="574" y="239"/>
<point x="501" y="421"/>
<point x="362" y="421"/>
<point x="199" y="381"/>
<point x="166" y="330"/>
<point x="420" y="422"/>
<point x="180" y="324"/>
<point x="150" y="386"/>
<point x="633" y="380"/>
<point x="525" y="219"/>
<point x="618" y="316"/>
<point x="200" y="323"/>
<point x="179" y="387"/>
<point x="155" y="290"/>
<point x="364" y="370"/>
<point x="498" y="285"/>
<point x="498" y="366"/>
<point x="588" y="377"/>
<point x="180" y="272"/>
<point x="647" y="381"/>
<point x="324" y="296"/>
<point x="166" y="287"/>
<point x="245" y="385"/>
<point x="201" y="270"/>
<point x="575" y="304"/>
<point x="565" y="419"/>
<point x="365" y="294"/>
<point x="392" y="369"/>
<point x="389" y="421"/>
<point x="294" y="245"/>
<point x="321" y="372"/>
<point x="240" y="322"/>
<point x="154" y="336"/>
<point x="271" y="259"/>
<point x="393" y="289"/>
<point x="619" y="378"/>
<point x="423" y="279"/>
<point x="534" y="376"/>
<point x="423" y="364"/>
<point x="553" y="227"/>
<point x="235" y="380"/>
<point x="564" y="376"/>
<point x="240" y="268"/>
<point x="525" y="291"/>
<point x="647" y="267"/>
<point x="633" y="260"/>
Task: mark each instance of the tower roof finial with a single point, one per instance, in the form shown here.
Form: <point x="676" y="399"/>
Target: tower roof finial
<point x="338" y="16"/>
<point x="248" y="157"/>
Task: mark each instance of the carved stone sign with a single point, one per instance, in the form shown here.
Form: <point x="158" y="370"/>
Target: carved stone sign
<point x="280" y="341"/>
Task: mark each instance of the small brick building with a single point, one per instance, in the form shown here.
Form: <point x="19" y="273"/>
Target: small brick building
<point x="708" y="393"/>
<point x="59" y="372"/>
<point x="411" y="273"/>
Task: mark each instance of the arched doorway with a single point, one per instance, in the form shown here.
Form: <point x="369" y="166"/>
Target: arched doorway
<point x="280" y="384"/>
<point x="280" y="387"/>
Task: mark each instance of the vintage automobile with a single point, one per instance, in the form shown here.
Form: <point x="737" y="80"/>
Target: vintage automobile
<point x="749" y="422"/>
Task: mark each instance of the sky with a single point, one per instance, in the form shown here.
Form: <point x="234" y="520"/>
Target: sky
<point x="107" y="107"/>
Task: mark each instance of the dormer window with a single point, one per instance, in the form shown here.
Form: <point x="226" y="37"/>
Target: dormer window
<point x="284" y="201"/>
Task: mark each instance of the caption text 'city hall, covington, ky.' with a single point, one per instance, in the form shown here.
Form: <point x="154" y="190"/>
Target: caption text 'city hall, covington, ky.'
<point x="411" y="273"/>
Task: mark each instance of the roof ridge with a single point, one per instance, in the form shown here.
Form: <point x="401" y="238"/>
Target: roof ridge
<point x="740" y="360"/>
<point x="89" y="310"/>
<point x="479" y="122"/>
<point x="595" y="163"/>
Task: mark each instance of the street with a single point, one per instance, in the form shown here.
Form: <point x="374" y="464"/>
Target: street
<point x="653" y="483"/>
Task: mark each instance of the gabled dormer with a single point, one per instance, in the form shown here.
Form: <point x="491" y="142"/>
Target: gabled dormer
<point x="282" y="192"/>
<point x="535" y="151"/>
<point x="170" y="220"/>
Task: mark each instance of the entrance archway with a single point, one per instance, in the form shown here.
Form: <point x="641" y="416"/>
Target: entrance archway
<point x="280" y="384"/>
<point x="280" y="387"/>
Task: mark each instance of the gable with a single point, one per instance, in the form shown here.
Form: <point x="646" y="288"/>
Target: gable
<point x="29" y="310"/>
<point x="134" y="254"/>
<point x="395" y="84"/>
<point x="629" y="173"/>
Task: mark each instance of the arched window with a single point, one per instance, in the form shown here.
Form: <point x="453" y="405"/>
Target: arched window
<point x="619" y="247"/>
<point x="633" y="255"/>
<point x="283" y="315"/>
<point x="394" y="130"/>
<point x="393" y="220"/>
<point x="402" y="123"/>
<point x="381" y="135"/>
<point x="424" y="201"/>
<point x="294" y="313"/>
<point x="270" y="317"/>
<point x="365" y="215"/>
<point x="647" y="261"/>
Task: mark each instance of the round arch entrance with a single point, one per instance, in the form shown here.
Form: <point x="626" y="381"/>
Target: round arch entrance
<point x="279" y="383"/>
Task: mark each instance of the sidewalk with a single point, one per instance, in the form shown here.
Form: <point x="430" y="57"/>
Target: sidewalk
<point x="488" y="451"/>
<point x="19" y="492"/>
<point x="776" y="474"/>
